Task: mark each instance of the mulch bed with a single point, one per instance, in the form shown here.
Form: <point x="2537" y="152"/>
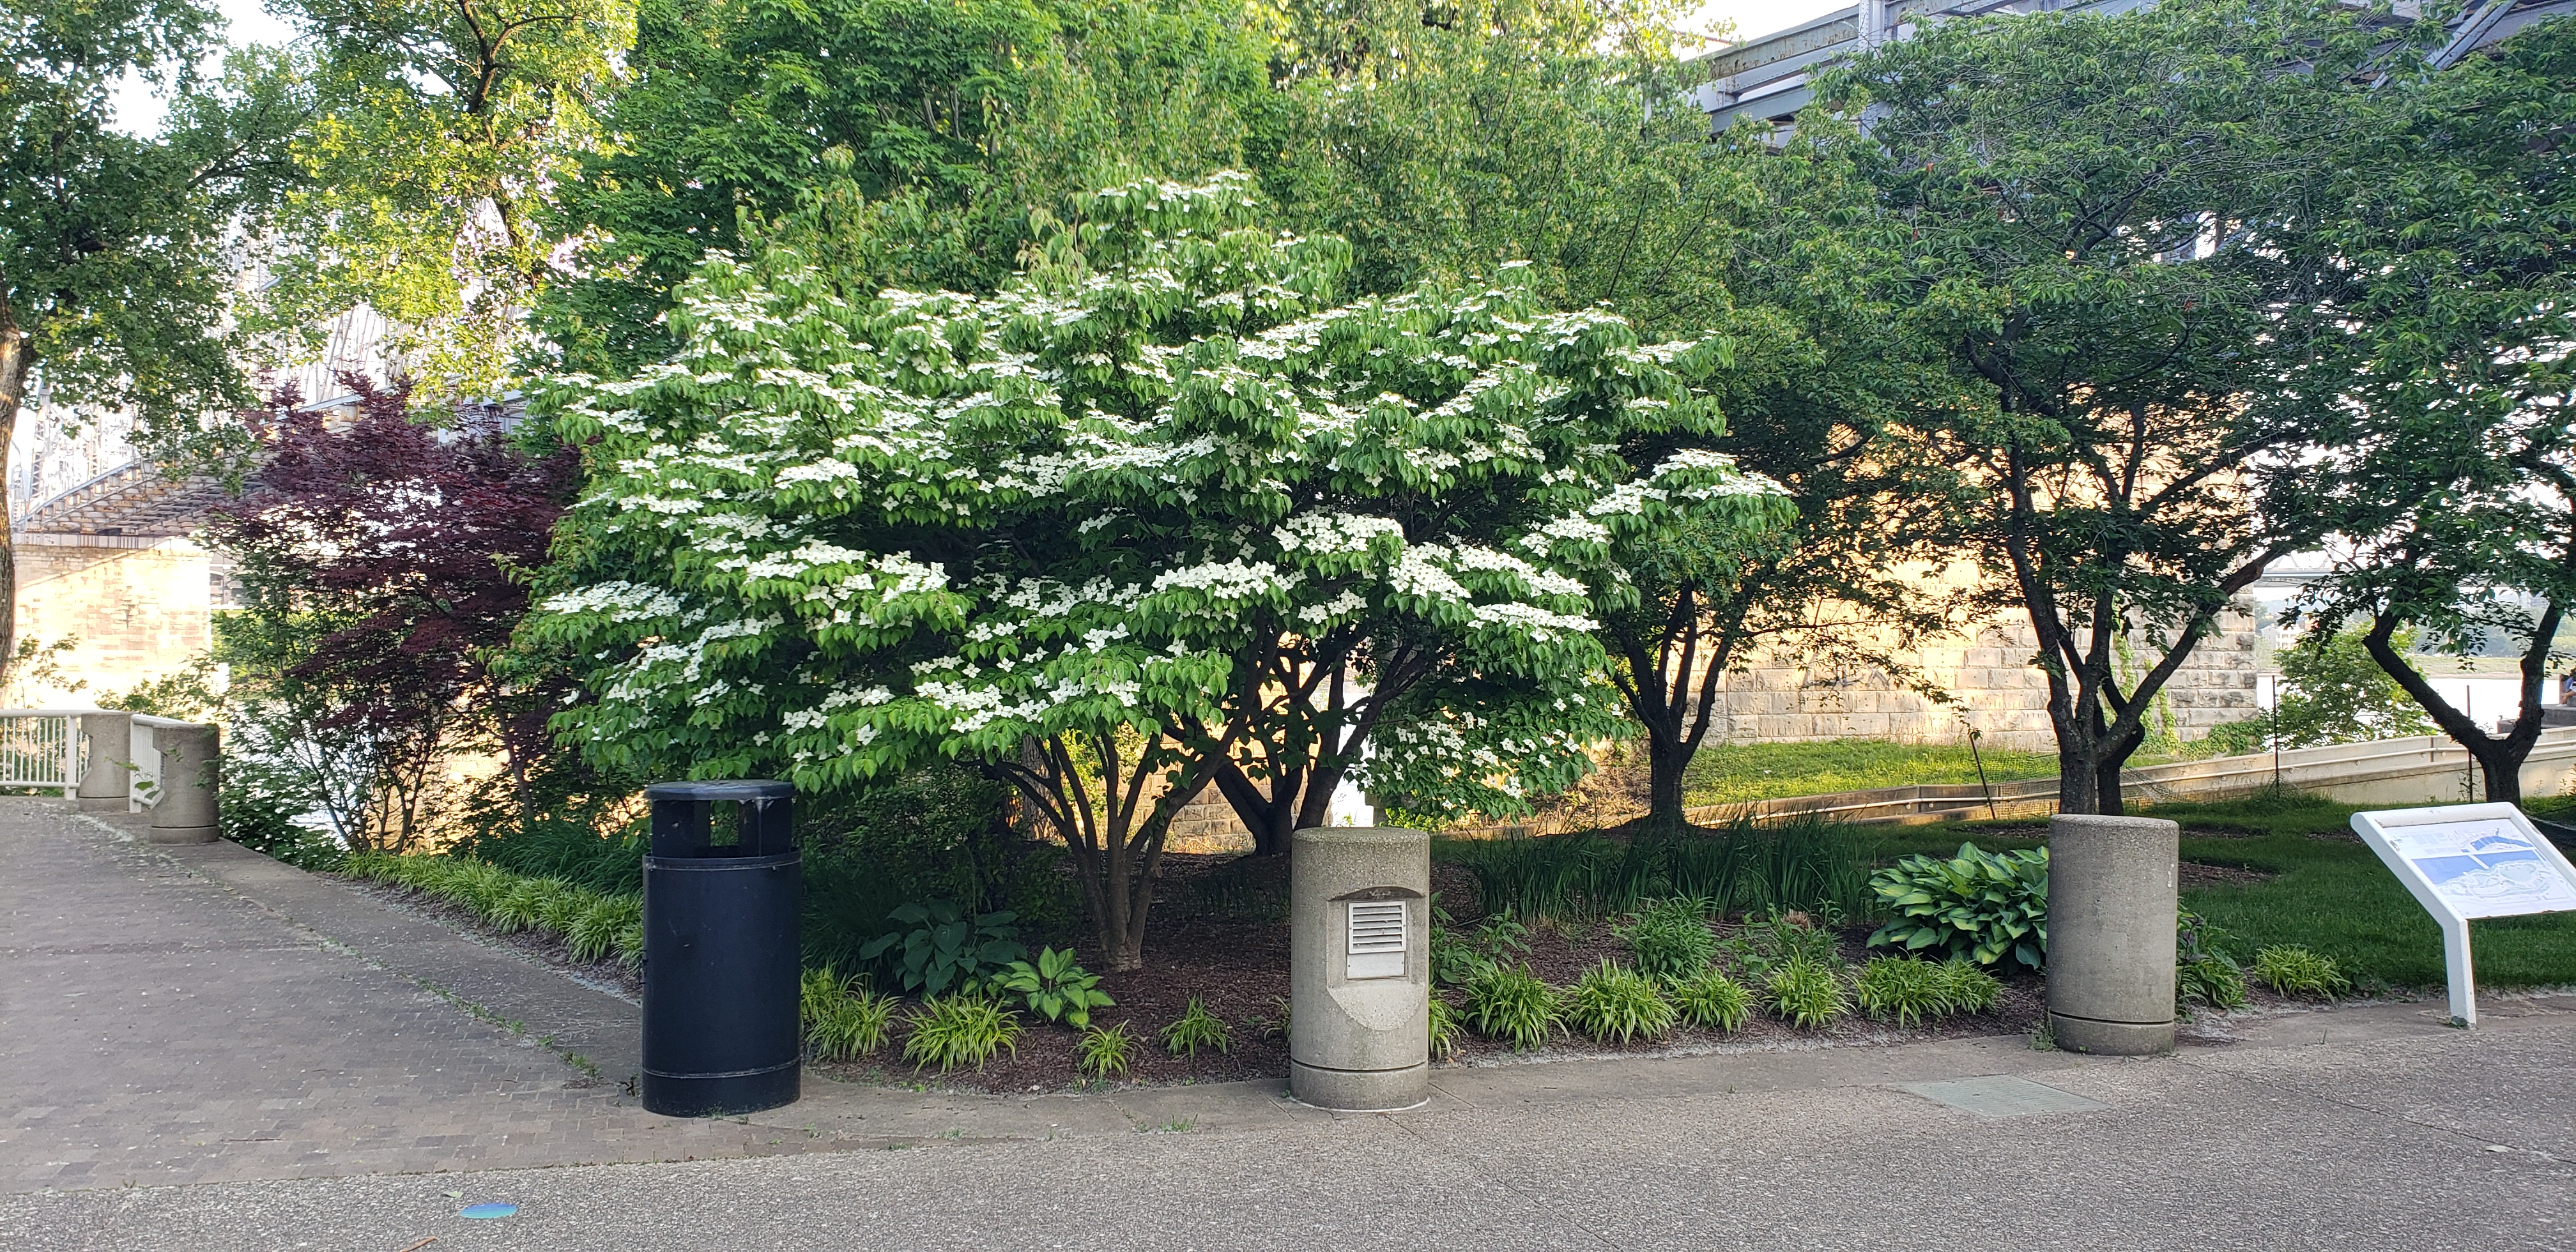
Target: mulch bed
<point x="1240" y="971"/>
<point x="2199" y="874"/>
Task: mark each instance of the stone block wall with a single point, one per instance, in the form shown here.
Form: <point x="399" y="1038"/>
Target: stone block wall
<point x="139" y="607"/>
<point x="1992" y="685"/>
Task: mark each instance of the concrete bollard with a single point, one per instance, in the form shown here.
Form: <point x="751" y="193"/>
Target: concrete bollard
<point x="2112" y="884"/>
<point x="107" y="782"/>
<point x="191" y="775"/>
<point x="1359" y="967"/>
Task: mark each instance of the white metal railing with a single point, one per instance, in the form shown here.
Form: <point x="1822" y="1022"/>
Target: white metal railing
<point x="41" y="748"/>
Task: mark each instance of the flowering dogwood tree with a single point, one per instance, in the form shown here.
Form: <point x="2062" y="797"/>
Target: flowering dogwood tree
<point x="1162" y="512"/>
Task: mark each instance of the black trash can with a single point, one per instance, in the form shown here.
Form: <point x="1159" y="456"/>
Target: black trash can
<point x="720" y="951"/>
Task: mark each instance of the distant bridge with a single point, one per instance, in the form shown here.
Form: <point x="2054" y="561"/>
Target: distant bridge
<point x="1770" y="78"/>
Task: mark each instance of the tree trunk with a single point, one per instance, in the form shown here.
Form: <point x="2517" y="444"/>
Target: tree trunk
<point x="2499" y="759"/>
<point x="1666" y="760"/>
<point x="16" y="361"/>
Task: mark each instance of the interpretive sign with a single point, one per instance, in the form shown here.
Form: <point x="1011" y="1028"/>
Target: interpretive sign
<point x="2465" y="861"/>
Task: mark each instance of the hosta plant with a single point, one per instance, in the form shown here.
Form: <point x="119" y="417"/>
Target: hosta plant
<point x="1444" y="1029"/>
<point x="1807" y="993"/>
<point x="2295" y="971"/>
<point x="1056" y="988"/>
<point x="954" y="1030"/>
<point x="1106" y="1050"/>
<point x="1981" y="905"/>
<point x="943" y="949"/>
<point x="1713" y="1000"/>
<point x="1614" y="1002"/>
<point x="1671" y="938"/>
<point x="1197" y="1028"/>
<point x="2204" y="973"/>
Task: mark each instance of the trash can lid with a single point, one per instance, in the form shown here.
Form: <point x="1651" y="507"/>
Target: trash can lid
<point x="733" y="789"/>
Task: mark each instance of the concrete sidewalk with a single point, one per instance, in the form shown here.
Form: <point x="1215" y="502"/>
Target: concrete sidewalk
<point x="208" y="1050"/>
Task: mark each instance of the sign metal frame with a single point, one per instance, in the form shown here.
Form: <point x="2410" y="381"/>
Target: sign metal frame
<point x="2380" y="829"/>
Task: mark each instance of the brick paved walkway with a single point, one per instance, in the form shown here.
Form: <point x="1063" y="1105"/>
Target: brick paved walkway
<point x="158" y="1027"/>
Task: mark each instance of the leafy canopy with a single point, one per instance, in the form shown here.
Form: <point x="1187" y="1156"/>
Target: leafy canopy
<point x="830" y="538"/>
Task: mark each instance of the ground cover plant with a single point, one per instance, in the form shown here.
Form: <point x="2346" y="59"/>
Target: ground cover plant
<point x="1807" y="992"/>
<point x="592" y="924"/>
<point x="1714" y="1000"/>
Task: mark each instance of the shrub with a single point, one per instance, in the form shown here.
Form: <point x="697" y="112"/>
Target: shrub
<point x="1513" y="1005"/>
<point x="1904" y="989"/>
<point x="1980" y="905"/>
<point x="1614" y="1001"/>
<point x="1713" y="1000"/>
<point x="1671" y="939"/>
<point x="1056" y="988"/>
<point x="1444" y="1029"/>
<point x="1768" y="941"/>
<point x="1197" y="1028"/>
<point x="1807" y="993"/>
<point x="954" y="1030"/>
<point x="942" y="949"/>
<point x="843" y="1022"/>
<point x="1970" y="989"/>
<point x="2295" y="971"/>
<point x="1105" y="1052"/>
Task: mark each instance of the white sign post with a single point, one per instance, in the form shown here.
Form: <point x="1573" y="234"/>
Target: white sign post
<point x="2470" y="860"/>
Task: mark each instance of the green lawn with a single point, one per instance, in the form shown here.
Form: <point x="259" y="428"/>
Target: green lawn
<point x="2332" y="895"/>
<point x="1738" y="773"/>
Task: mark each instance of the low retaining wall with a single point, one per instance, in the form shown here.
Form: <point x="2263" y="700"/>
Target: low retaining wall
<point x="2417" y="770"/>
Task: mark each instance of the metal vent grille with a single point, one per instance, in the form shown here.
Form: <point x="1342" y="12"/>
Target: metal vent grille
<point x="1377" y="940"/>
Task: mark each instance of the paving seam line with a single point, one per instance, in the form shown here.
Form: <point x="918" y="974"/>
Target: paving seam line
<point x="512" y="1027"/>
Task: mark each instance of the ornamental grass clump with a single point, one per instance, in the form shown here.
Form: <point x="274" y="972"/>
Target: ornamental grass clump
<point x="843" y="1019"/>
<point x="1984" y="906"/>
<point x="1903" y="989"/>
<point x="1713" y="1000"/>
<point x="1969" y="988"/>
<point x="1197" y="1028"/>
<point x="959" y="1029"/>
<point x="1613" y="1002"/>
<point x="1670" y="938"/>
<point x="2295" y="971"/>
<point x="1513" y="1005"/>
<point x="1805" y="992"/>
<point x="1105" y="1051"/>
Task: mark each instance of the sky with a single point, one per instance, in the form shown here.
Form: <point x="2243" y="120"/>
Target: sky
<point x="138" y="112"/>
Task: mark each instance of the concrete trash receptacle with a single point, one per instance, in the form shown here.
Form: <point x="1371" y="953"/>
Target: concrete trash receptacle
<point x="2112" y="892"/>
<point x="191" y="783"/>
<point x="1359" y="967"/>
<point x="107" y="780"/>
